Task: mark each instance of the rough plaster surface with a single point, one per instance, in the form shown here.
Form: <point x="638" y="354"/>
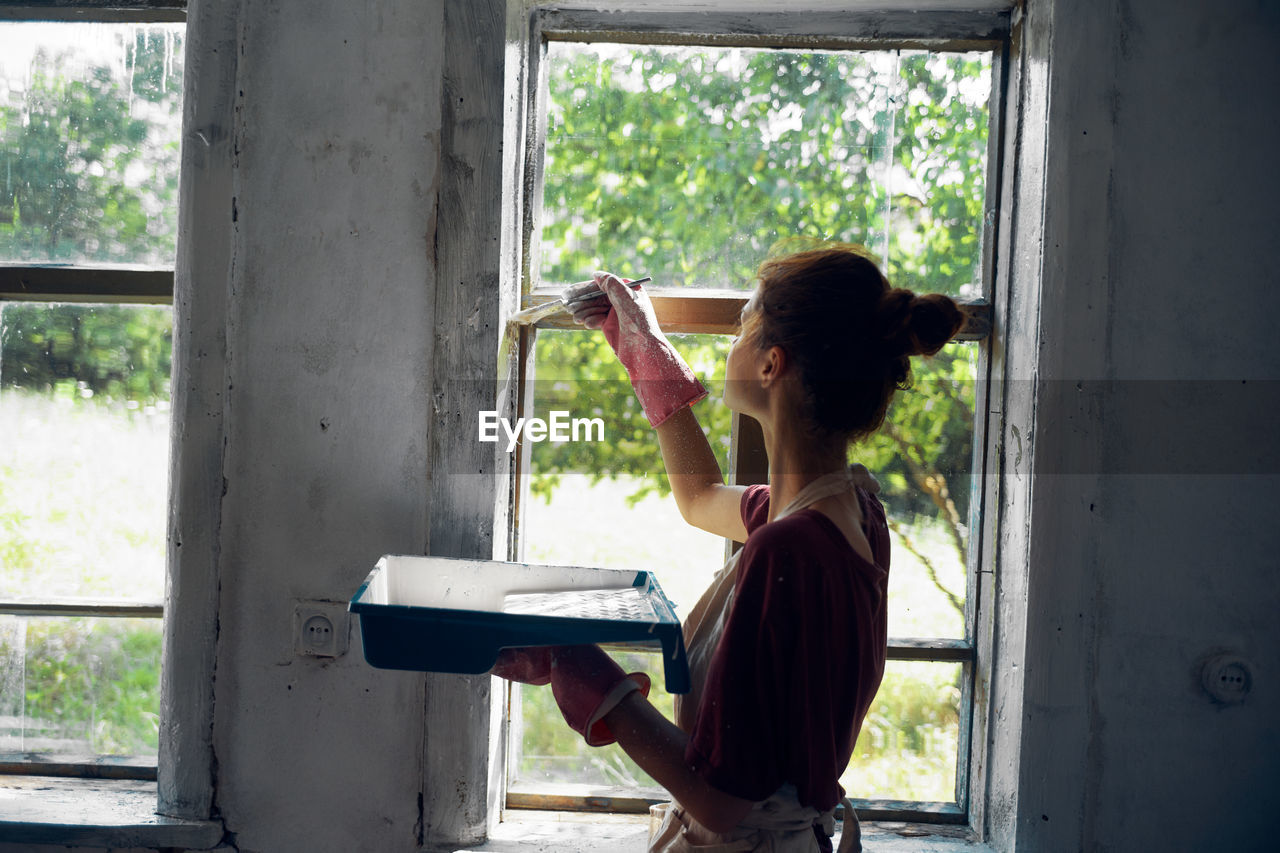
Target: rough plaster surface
<point x="1159" y="267"/>
<point x="327" y="413"/>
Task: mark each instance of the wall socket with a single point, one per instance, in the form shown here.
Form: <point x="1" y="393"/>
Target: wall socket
<point x="320" y="628"/>
<point x="1226" y="678"/>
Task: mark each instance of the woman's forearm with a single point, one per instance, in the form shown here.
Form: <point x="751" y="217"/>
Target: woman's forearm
<point x="691" y="466"/>
<point x="696" y="481"/>
<point x="658" y="746"/>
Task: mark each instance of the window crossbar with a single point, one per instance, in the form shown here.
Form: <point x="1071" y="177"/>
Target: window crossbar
<point x="69" y="283"/>
<point x="78" y="767"/>
<point x="587" y="798"/>
<point x="81" y="607"/>
<point x="99" y="11"/>
<point x="717" y="312"/>
<point x="929" y="650"/>
<point x="851" y="30"/>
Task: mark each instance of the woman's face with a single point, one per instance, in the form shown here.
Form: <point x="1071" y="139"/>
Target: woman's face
<point x="740" y="364"/>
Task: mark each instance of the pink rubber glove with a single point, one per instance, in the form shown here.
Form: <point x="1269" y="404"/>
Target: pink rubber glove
<point x="663" y="383"/>
<point x="588" y="304"/>
<point x="587" y="685"/>
<point x="528" y="666"/>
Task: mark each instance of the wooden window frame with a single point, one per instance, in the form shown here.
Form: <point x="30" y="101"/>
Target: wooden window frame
<point x="717" y="312"/>
<point x="86" y="284"/>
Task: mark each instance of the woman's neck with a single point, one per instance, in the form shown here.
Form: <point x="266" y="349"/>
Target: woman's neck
<point x="796" y="459"/>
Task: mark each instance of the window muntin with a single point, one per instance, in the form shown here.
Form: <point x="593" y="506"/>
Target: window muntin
<point x="919" y="147"/>
<point x="90" y="119"/>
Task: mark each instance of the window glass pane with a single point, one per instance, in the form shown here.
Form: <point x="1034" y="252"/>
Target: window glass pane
<point x="84" y="409"/>
<point x="607" y="503"/>
<point x="923" y="457"/>
<point x="551" y="753"/>
<point x="90" y="118"/>
<point x="691" y="163"/>
<point x="910" y="739"/>
<point x="598" y="502"/>
<point x="77" y="687"/>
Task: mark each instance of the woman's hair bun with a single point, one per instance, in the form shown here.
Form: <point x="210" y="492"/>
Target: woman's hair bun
<point x="849" y="333"/>
<point x="916" y="325"/>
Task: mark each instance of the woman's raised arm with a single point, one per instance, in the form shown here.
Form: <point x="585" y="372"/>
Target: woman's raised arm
<point x="666" y="388"/>
<point x="696" y="481"/>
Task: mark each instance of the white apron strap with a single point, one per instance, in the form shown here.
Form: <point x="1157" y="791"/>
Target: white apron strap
<point x="851" y="831"/>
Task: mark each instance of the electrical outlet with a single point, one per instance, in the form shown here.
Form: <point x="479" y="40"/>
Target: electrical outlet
<point x="320" y="629"/>
<point x="1226" y="678"/>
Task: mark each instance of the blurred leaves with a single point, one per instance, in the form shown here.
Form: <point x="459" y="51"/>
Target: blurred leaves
<point x="689" y="164"/>
<point x="92" y="685"/>
<point x="89" y="166"/>
<point x="119" y="352"/>
<point x="88" y="174"/>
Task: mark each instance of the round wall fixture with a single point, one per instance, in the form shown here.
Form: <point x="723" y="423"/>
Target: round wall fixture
<point x="1226" y="678"/>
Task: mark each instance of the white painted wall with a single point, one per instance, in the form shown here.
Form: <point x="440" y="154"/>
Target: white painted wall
<point x="329" y="369"/>
<point x="1158" y="263"/>
<point x="1159" y="547"/>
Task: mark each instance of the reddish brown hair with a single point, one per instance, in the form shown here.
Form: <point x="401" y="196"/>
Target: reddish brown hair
<point x="849" y="333"/>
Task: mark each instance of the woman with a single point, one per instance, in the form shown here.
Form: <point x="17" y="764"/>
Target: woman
<point x="787" y="646"/>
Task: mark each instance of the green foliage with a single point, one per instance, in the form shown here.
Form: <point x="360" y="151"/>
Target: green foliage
<point x="90" y="175"/>
<point x="925" y="446"/>
<point x="93" y="682"/>
<point x="90" y="166"/>
<point x="690" y="163"/>
<point x="578" y="373"/>
<point x="908" y="744"/>
<point x="118" y="351"/>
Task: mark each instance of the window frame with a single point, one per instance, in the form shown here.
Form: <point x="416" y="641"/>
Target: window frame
<point x="533" y="23"/>
<point x="87" y="284"/>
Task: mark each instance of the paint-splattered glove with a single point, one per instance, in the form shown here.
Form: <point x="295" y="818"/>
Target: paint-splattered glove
<point x="587" y="685"/>
<point x="588" y="304"/>
<point x="527" y="665"/>
<point x="663" y="383"/>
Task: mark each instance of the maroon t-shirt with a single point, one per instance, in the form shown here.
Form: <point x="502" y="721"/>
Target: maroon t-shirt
<point x="800" y="659"/>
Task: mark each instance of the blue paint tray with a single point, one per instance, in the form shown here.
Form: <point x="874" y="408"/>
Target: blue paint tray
<point x="436" y="614"/>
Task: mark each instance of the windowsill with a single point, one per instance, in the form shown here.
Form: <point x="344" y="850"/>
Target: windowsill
<point x="116" y="813"/>
<point x="94" y="813"/>
<point x="581" y="832"/>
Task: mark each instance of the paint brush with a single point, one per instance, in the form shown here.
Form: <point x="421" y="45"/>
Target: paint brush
<point x="532" y="315"/>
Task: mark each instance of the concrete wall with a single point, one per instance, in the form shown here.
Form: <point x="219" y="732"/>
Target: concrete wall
<point x="1158" y="264"/>
<point x="329" y="369"/>
<point x="1153" y="541"/>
